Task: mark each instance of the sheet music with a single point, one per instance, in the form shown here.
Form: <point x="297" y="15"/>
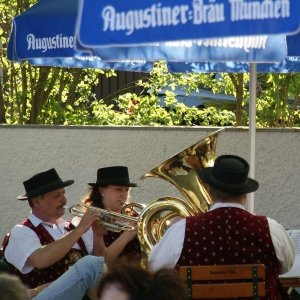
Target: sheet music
<point x="295" y="270"/>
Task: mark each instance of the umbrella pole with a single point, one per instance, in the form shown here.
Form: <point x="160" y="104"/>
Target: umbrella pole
<point x="252" y="129"/>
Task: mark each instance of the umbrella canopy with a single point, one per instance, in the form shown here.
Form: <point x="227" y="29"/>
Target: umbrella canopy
<point x="44" y="30"/>
<point x="45" y="35"/>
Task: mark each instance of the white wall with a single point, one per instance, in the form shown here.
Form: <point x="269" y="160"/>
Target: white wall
<point x="77" y="152"/>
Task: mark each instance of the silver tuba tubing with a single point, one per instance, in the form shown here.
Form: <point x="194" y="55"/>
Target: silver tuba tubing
<point x="110" y="220"/>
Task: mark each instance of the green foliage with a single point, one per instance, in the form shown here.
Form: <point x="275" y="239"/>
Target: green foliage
<point x="148" y="109"/>
<point x="278" y="102"/>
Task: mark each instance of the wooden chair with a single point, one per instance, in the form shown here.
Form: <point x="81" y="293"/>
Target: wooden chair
<point x="221" y="282"/>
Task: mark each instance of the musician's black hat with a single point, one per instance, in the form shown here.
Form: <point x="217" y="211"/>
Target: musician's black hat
<point x="229" y="174"/>
<point x="42" y="183"/>
<point x="116" y="175"/>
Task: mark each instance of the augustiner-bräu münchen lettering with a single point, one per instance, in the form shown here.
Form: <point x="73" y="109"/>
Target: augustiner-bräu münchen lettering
<point x="161" y="16"/>
<point x="256" y="10"/>
<point x="158" y="15"/>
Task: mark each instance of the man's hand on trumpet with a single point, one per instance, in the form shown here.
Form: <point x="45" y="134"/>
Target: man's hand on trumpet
<point x="89" y="218"/>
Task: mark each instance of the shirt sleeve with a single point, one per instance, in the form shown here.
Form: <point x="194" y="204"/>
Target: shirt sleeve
<point x="87" y="237"/>
<point x="167" y="251"/>
<point x="283" y="244"/>
<point x="22" y="243"/>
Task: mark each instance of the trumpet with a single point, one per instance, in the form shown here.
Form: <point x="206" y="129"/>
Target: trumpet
<point x="110" y="220"/>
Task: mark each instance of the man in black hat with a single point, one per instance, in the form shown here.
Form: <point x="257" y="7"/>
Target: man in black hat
<point x="43" y="248"/>
<point x="227" y="233"/>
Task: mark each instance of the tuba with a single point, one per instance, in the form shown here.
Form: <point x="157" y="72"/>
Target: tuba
<point x="181" y="171"/>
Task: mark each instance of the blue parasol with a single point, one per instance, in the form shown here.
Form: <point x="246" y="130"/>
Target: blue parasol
<point x="44" y="35"/>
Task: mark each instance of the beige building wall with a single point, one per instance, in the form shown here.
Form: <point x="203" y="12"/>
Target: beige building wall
<point x="77" y="152"/>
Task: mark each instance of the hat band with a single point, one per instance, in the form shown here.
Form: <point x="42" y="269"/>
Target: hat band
<point x="41" y="189"/>
<point x="216" y="181"/>
<point x="114" y="179"/>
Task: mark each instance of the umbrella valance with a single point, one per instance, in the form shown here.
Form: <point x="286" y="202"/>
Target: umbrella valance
<point x="93" y="63"/>
<point x="247" y="49"/>
<point x="290" y="64"/>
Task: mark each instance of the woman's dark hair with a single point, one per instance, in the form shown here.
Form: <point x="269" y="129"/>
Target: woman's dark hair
<point x="130" y="278"/>
<point x="139" y="283"/>
<point x="167" y="284"/>
<point x="93" y="197"/>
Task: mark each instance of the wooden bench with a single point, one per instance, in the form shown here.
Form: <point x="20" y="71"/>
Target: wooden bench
<point x="221" y="282"/>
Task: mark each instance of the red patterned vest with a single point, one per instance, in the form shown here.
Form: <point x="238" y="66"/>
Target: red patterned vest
<point x="231" y="236"/>
<point x="40" y="276"/>
<point x="132" y="249"/>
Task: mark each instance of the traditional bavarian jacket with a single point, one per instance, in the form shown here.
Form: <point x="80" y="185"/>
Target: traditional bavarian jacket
<point x="41" y="276"/>
<point x="132" y="250"/>
<point x="231" y="236"/>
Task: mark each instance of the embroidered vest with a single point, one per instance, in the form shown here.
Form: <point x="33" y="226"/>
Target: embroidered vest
<point x="132" y="249"/>
<point x="231" y="236"/>
<point x="40" y="276"/>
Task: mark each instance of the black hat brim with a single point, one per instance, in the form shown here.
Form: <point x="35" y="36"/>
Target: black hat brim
<point x="45" y="189"/>
<point x="250" y="186"/>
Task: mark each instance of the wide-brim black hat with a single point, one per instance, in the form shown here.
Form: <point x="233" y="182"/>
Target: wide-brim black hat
<point x="117" y="175"/>
<point x="42" y="183"/>
<point x="229" y="174"/>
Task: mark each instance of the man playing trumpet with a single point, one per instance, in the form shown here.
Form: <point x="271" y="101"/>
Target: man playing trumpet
<point x="51" y="259"/>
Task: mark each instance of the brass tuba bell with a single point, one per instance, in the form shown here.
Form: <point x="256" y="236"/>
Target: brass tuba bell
<point x="181" y="171"/>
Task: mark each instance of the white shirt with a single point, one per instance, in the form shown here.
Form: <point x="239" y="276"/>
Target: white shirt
<point x="23" y="241"/>
<point x="87" y="237"/>
<point x="168" y="250"/>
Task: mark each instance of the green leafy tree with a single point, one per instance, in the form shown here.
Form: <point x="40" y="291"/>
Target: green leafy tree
<point x="149" y="109"/>
<point x="279" y="100"/>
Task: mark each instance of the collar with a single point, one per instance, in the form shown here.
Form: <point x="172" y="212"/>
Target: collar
<point x="226" y="204"/>
<point x="37" y="221"/>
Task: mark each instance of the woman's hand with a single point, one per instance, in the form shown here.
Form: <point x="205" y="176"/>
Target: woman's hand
<point x="98" y="229"/>
<point x="129" y="235"/>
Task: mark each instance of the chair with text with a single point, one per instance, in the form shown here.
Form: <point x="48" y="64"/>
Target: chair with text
<point x="227" y="281"/>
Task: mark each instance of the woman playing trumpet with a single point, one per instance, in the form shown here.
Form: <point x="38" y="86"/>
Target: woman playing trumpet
<point x="110" y="192"/>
